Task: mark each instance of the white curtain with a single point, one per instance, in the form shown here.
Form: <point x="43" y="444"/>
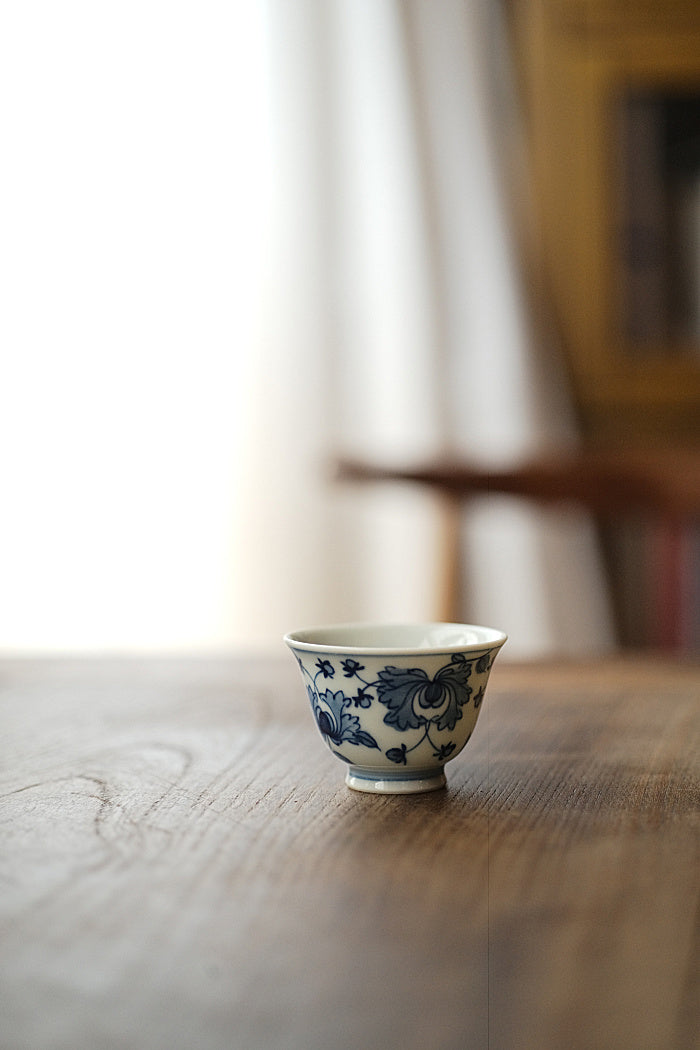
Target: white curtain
<point x="396" y="329"/>
<point x="134" y="146"/>
<point x="238" y="239"/>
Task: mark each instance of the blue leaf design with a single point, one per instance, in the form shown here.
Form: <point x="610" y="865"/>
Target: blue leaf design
<point x="366" y="739"/>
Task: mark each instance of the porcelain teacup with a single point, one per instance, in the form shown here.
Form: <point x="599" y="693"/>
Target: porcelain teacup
<point x="395" y="702"/>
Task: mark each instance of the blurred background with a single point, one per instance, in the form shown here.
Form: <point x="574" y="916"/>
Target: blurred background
<point x="243" y="240"/>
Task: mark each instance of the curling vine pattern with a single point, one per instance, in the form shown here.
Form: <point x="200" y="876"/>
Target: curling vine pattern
<point x="413" y="701"/>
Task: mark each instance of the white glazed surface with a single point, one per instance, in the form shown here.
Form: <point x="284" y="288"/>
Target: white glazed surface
<point x="393" y="701"/>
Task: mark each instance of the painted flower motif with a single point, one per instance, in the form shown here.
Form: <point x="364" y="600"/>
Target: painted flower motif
<point x="363" y="698"/>
<point x="479" y="696"/>
<point x="351" y="667"/>
<point x="444" y="751"/>
<point x="397" y="754"/>
<point x="335" y="721"/>
<point x="414" y="699"/>
<point x="325" y="667"/>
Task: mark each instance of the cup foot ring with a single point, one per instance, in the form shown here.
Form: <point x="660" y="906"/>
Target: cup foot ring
<point x="402" y="782"/>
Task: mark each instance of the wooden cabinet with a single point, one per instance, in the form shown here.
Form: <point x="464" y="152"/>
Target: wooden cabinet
<point x="611" y="94"/>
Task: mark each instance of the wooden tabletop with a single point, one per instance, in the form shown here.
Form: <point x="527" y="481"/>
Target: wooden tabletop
<point x="182" y="866"/>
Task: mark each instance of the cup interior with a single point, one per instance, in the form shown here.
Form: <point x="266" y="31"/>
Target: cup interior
<point x="396" y="638"/>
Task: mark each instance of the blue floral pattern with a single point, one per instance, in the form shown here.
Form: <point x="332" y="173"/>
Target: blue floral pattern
<point x="413" y="701"/>
<point x="335" y="721"/>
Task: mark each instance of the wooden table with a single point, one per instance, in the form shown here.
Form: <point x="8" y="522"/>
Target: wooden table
<point x="181" y="866"/>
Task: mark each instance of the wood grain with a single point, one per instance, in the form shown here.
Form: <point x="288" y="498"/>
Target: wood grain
<point x="181" y="865"/>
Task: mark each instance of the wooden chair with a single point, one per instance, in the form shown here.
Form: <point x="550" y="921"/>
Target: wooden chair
<point x="613" y="484"/>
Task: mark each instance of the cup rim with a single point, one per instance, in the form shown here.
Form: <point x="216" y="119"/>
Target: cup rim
<point x="326" y="638"/>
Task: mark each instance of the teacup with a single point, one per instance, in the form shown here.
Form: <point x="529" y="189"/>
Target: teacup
<point x="396" y="701"/>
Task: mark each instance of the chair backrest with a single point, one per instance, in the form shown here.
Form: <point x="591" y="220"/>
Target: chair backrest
<point x="645" y="501"/>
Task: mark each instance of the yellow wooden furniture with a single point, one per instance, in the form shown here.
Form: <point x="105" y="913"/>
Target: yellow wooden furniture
<point x="604" y="85"/>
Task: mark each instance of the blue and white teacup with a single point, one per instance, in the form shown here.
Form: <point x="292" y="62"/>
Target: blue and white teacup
<point x="396" y="702"/>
